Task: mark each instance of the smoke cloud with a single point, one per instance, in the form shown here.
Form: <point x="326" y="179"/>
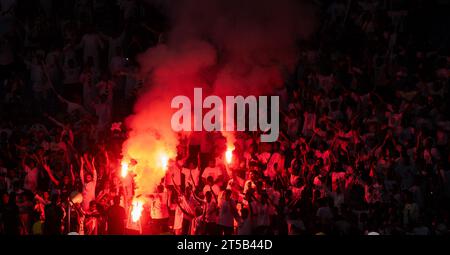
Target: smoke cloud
<point x="228" y="48"/>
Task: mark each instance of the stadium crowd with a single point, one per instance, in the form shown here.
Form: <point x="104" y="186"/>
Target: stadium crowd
<point x="364" y="145"/>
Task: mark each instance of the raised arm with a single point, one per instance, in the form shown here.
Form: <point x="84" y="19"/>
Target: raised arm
<point x="56" y="122"/>
<point x="214" y="196"/>
<point x="108" y="165"/>
<point x="82" y="170"/>
<point x="87" y="162"/>
<point x="192" y="179"/>
<point x="50" y="174"/>
<point x="198" y="199"/>
<point x="94" y="170"/>
<point x="234" y="210"/>
<point x="40" y="199"/>
<point x="184" y="210"/>
<point x="175" y="186"/>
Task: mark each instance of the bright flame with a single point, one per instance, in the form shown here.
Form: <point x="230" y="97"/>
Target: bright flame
<point x="229" y="155"/>
<point x="136" y="210"/>
<point x="153" y="156"/>
<point x="124" y="171"/>
<point x="164" y="161"/>
<point x="230" y="139"/>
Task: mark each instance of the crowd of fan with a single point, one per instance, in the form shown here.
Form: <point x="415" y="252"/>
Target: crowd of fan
<point x="364" y="145"/>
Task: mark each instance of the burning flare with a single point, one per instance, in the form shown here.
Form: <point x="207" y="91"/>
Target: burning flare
<point x="164" y="161"/>
<point x="124" y="170"/>
<point x="136" y="210"/>
<point x="229" y="155"/>
<point x="230" y="139"/>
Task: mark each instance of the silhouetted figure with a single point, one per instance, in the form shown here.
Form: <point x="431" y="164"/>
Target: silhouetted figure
<point x="116" y="217"/>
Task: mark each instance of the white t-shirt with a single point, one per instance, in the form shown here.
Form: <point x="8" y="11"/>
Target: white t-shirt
<point x="31" y="179"/>
<point x="191" y="176"/>
<point x="180" y="215"/>
<point x="263" y="215"/>
<point x="88" y="194"/>
<point x="159" y="208"/>
<point x="226" y="216"/>
<point x="245" y="228"/>
<point x="211" y="214"/>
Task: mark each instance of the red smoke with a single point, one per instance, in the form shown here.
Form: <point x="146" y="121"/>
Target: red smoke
<point x="226" y="47"/>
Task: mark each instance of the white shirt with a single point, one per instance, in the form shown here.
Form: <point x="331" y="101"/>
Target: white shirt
<point x="31" y="179"/>
<point x="88" y="193"/>
<point x="226" y="216"/>
<point x="262" y="217"/>
<point x="246" y="227"/>
<point x="191" y="176"/>
<point x="211" y="214"/>
<point x="159" y="208"/>
<point x="187" y="206"/>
